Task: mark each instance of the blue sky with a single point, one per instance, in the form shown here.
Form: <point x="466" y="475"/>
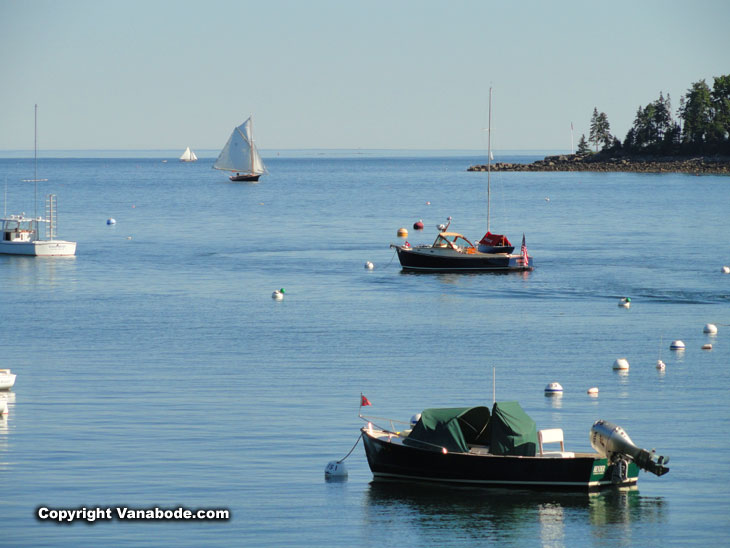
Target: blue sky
<point x="344" y="74"/>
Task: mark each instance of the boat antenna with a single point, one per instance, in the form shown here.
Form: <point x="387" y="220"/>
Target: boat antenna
<point x="494" y="385"/>
<point x="489" y="157"/>
<point x="35" y="161"/>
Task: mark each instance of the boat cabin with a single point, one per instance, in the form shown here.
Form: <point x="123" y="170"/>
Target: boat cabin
<point x="18" y="228"/>
<point x="455" y="241"/>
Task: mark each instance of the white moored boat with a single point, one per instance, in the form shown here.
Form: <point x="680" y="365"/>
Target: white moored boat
<point x="21" y="235"/>
<point x="7" y="379"/>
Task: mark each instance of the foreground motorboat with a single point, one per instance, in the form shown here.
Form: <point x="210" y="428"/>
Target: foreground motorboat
<point x="471" y="446"/>
<point x="452" y="252"/>
<point x="7" y="379"/>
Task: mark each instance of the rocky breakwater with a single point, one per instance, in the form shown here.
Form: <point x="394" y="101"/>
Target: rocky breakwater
<point x="703" y="165"/>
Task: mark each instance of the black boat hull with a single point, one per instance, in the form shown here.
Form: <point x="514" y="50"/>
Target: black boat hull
<point x="429" y="259"/>
<point x="244" y="177"/>
<point x="584" y="472"/>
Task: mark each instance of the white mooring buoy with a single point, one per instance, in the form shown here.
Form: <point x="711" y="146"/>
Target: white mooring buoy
<point x="710" y="328"/>
<point x="726" y="269"/>
<point x="593" y="391"/>
<point x="111" y="221"/>
<point x="335" y="471"/>
<point x="369" y="265"/>
<point x="553" y="388"/>
<point x="707" y="346"/>
<point x="676" y="345"/>
<point x="625" y="302"/>
<point x="660" y="365"/>
<point x="278" y="294"/>
<point x="621" y="364"/>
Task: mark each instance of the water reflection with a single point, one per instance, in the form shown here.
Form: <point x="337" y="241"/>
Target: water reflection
<point x="554" y="399"/>
<point x="8" y="398"/>
<point x="37" y="271"/>
<point x="453" y="515"/>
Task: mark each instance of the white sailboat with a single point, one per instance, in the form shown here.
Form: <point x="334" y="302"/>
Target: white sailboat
<point x="240" y="155"/>
<point x="188" y="156"/>
<point x="20" y="235"/>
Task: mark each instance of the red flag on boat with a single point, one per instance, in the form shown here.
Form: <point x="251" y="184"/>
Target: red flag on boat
<point x="364" y="401"/>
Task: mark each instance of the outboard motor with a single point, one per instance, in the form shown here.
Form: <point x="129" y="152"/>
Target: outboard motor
<point x="614" y="443"/>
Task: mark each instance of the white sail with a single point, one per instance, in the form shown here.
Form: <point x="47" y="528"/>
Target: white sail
<point x="188" y="156"/>
<point x="240" y="153"/>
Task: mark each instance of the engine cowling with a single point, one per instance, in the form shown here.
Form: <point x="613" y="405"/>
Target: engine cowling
<point x="612" y="441"/>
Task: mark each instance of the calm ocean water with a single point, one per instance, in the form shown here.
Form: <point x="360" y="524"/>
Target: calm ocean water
<point x="154" y="369"/>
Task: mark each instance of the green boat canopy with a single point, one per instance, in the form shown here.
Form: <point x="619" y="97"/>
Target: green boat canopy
<point x="451" y="428"/>
<point x="509" y="432"/>
<point x="513" y="432"/>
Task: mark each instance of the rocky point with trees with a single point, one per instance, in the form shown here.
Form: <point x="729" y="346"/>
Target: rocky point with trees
<point x="698" y="141"/>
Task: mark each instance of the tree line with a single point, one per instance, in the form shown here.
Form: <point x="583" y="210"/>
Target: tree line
<point x="702" y="125"/>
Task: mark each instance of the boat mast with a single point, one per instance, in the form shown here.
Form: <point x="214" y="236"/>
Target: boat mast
<point x="250" y="144"/>
<point x="489" y="158"/>
<point x="35" y="162"/>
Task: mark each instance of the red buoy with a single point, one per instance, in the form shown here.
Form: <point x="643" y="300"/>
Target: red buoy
<point x="418" y="225"/>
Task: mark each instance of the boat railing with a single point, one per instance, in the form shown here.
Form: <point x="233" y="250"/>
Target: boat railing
<point x="399" y="434"/>
<point x="393" y="431"/>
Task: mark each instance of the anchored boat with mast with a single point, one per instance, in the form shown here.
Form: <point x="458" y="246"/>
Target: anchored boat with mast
<point x="20" y="235"/>
<point x="240" y="155"/>
<point x="452" y="252"/>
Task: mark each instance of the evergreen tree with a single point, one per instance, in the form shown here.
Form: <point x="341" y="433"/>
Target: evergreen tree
<point x="583" y="147"/>
<point x="593" y="133"/>
<point x="662" y="117"/>
<point x="600" y="131"/>
<point x="697" y="116"/>
<point x="720" y="129"/>
<point x="653" y="127"/>
<point x="604" y="131"/>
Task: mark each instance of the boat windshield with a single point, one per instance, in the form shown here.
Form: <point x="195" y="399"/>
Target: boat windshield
<point x="452" y="240"/>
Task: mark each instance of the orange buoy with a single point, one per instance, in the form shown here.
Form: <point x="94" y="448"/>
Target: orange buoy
<point x="402" y="233"/>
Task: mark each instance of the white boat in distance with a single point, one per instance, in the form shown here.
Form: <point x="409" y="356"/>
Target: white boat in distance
<point x="21" y="235"/>
<point x="7" y="379"/>
<point x="188" y="156"/>
<point x="241" y="155"/>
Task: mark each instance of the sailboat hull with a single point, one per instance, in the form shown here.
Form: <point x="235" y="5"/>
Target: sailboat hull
<point x="244" y="177"/>
<point x="39" y="248"/>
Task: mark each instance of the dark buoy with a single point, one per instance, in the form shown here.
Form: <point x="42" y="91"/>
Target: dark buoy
<point x="418" y="225"/>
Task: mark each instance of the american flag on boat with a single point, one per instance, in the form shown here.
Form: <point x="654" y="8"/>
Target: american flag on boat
<point x="524" y="259"/>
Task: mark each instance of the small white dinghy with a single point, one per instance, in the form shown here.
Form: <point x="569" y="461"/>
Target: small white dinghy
<point x="7" y="379"/>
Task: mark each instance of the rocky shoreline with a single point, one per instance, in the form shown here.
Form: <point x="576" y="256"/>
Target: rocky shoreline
<point x="699" y="165"/>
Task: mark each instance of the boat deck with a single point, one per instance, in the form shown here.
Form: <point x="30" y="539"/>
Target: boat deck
<point x="397" y="438"/>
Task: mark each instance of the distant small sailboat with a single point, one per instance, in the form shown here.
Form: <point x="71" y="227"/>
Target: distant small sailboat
<point x="241" y="155"/>
<point x="188" y="156"/>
